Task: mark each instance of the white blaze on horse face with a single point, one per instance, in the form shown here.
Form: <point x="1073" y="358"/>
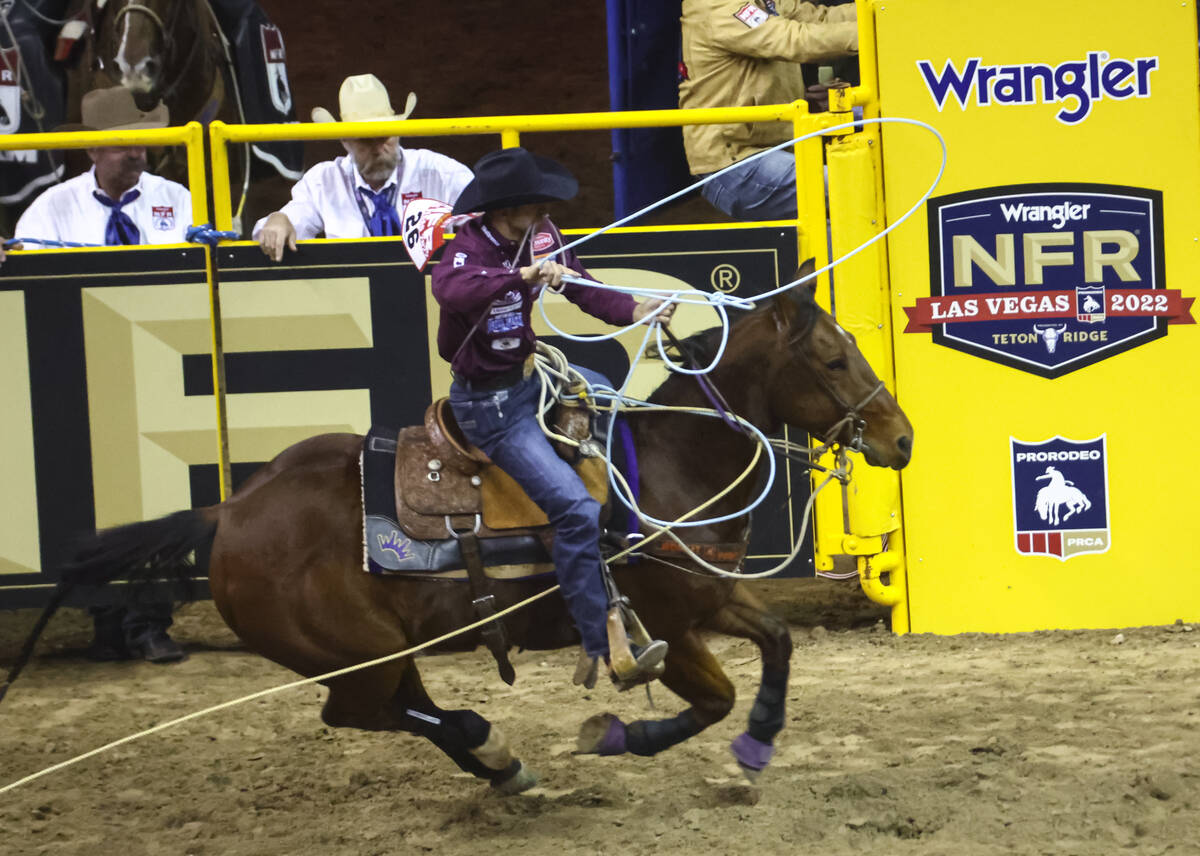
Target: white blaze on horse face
<point x="141" y="75"/>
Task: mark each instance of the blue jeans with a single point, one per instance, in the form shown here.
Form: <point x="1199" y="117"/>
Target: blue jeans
<point x="503" y="423"/>
<point x="762" y="190"/>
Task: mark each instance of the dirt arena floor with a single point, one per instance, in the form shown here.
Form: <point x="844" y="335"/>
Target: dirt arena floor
<point x="1049" y="743"/>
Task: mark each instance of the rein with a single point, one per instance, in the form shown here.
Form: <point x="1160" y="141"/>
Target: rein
<point x="706" y="386"/>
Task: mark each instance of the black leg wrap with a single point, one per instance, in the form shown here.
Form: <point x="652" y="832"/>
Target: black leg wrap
<point x="473" y="727"/>
<point x="446" y="735"/>
<point x="766" y="717"/>
<point x="650" y="736"/>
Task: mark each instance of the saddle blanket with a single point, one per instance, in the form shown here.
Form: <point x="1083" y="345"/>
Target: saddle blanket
<point x="387" y="549"/>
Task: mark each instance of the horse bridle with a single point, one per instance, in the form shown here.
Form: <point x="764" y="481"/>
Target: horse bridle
<point x="148" y="12"/>
<point x="852" y="417"/>
<point x="168" y="42"/>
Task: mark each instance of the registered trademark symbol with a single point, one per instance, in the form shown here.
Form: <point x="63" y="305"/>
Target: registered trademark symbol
<point x="725" y="278"/>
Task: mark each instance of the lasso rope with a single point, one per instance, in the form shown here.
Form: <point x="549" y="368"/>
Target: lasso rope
<point x="554" y="371"/>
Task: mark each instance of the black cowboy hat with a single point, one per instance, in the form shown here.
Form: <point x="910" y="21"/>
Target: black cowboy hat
<point x="512" y="177"/>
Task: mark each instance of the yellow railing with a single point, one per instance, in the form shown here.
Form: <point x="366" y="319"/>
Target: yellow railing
<point x="190" y="136"/>
<point x="810" y="192"/>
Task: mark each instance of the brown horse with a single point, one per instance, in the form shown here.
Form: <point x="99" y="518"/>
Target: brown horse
<point x="170" y="51"/>
<point x="286" y="555"/>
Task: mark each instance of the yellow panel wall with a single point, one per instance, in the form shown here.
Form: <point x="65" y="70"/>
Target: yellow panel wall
<point x="970" y="396"/>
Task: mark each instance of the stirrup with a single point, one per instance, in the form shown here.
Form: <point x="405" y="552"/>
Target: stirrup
<point x="636" y="662"/>
<point x="648" y="664"/>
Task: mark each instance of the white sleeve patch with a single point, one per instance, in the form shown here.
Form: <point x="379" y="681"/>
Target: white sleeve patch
<point x="751" y="15"/>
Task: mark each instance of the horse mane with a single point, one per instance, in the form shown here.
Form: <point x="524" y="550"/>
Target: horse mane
<point x="701" y="347"/>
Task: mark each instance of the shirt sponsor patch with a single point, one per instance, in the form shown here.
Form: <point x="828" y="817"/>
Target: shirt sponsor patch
<point x="505" y="323"/>
<point x="751" y="15"/>
<point x="163" y="217"/>
<point x="542" y="241"/>
<point x="460" y="259"/>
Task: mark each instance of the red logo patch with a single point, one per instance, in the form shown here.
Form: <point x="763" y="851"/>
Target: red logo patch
<point x="163" y="217"/>
<point x="542" y="241"/>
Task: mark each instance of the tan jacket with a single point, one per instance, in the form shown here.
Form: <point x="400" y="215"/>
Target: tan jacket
<point x="737" y="55"/>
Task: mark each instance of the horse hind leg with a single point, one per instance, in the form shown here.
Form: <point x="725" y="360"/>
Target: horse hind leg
<point x="693" y="674"/>
<point x="477" y="746"/>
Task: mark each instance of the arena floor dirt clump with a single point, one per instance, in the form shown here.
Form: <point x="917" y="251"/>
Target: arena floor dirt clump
<point x="1039" y="743"/>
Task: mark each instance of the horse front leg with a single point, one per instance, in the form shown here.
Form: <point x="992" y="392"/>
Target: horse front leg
<point x="745" y="617"/>
<point x="695" y="676"/>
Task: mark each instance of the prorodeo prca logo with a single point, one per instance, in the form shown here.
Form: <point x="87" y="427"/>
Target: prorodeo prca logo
<point x="1047" y="278"/>
<point x="1060" y="497"/>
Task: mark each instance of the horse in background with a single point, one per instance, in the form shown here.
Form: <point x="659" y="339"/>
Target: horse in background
<point x="173" y="51"/>
<point x="286" y="565"/>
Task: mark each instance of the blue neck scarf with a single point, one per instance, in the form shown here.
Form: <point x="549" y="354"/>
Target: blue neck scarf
<point x="385" y="220"/>
<point x="119" y="229"/>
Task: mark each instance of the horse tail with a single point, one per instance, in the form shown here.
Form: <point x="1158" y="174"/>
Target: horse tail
<point x="141" y="551"/>
<point x="138" y="552"/>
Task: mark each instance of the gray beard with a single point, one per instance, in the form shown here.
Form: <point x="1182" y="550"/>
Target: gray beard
<point x="377" y="172"/>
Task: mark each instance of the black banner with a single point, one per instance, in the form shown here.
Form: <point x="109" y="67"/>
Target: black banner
<point x="109" y="414"/>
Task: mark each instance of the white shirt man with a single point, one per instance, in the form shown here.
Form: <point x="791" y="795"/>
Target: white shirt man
<point x="363" y="193"/>
<point x="70" y="212"/>
<point x="329" y="198"/>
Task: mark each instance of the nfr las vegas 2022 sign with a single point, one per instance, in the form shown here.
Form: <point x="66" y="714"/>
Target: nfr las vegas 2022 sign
<point x="1047" y="278"/>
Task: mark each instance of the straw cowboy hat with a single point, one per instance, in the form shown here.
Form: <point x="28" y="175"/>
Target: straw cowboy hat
<point x="512" y="177"/>
<point x="113" y="109"/>
<point x="363" y="98"/>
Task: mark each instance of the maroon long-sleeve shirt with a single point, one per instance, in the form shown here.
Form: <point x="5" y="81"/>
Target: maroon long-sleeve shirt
<point x="485" y="327"/>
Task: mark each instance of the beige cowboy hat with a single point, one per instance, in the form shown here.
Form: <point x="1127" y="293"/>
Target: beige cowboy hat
<point x="363" y="98"/>
<point x="113" y="109"/>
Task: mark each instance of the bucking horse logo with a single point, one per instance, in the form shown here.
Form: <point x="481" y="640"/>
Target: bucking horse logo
<point x="1059" y="493"/>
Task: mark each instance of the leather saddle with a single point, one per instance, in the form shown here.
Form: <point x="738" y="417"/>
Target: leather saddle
<point x="443" y="483"/>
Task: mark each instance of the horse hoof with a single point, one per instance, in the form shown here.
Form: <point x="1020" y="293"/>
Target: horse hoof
<point x="749" y="773"/>
<point x="752" y="756"/>
<point x="522" y="780"/>
<point x="602" y="734"/>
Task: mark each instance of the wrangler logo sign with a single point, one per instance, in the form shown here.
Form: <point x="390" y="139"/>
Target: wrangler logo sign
<point x="1075" y="85"/>
<point x="1047" y="278"/>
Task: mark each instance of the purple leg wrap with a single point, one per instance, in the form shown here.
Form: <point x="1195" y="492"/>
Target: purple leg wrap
<point x="613" y="742"/>
<point x="752" y="753"/>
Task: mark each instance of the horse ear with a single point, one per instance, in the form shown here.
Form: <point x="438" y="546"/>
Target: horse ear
<point x="790" y="304"/>
<point x="806" y="268"/>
